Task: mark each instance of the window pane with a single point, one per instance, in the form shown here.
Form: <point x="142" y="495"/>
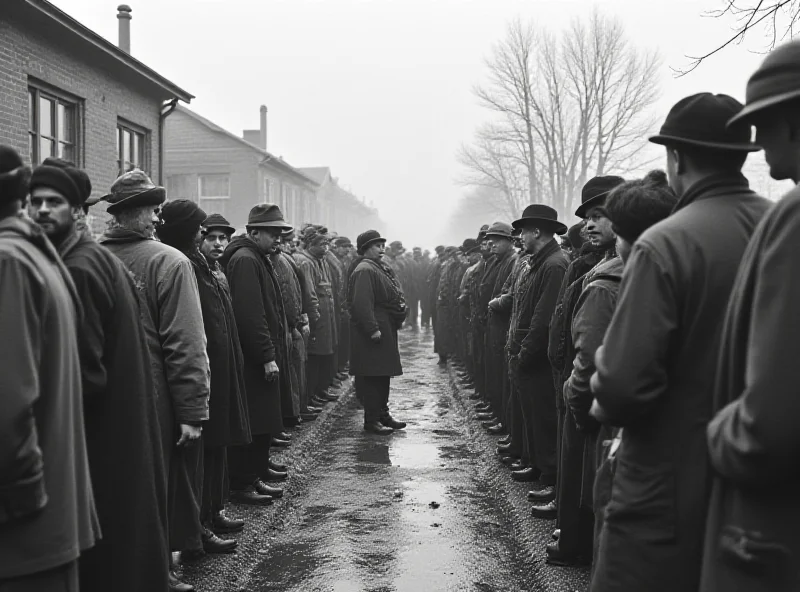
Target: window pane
<point x="31" y="148"/>
<point x="45" y="148"/>
<point x="126" y="148"/>
<point x="66" y="123"/>
<point x="46" y="114"/>
<point x="213" y="206"/>
<point x="66" y="151"/>
<point x="136" y="155"/>
<point x="31" y="111"/>
<point x="119" y="145"/>
<point x="214" y="186"/>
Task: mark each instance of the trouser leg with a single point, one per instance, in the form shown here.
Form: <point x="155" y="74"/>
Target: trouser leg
<point x="373" y="392"/>
<point x="215" y="480"/>
<point x="63" y="578"/>
<point x="250" y="462"/>
<point x="184" y="496"/>
<point x="575" y="521"/>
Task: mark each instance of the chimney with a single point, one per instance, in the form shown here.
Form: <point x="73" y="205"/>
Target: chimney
<point x="263" y="127"/>
<point x="124" y="18"/>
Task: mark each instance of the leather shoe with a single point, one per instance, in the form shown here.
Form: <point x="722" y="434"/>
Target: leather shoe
<point x="308" y="416"/>
<point x="518" y="465"/>
<point x="525" y="475"/>
<point x="508" y="459"/>
<point x="473" y="396"/>
<point x="505" y="443"/>
<point x="273" y="476"/>
<point x="483" y="416"/>
<point x="556" y="534"/>
<point x="284" y="436"/>
<point x="265" y="489"/>
<point x="175" y="585"/>
<point x="377" y="427"/>
<point x="391" y="422"/>
<point x="496" y="429"/>
<point x="328" y="396"/>
<point x="276" y="466"/>
<point x="342" y="376"/>
<point x="248" y="497"/>
<point x="547" y="511"/>
<point x="279" y="443"/>
<point x="556" y="557"/>
<point x="313" y="409"/>
<point x="504" y="448"/>
<point x="214" y="544"/>
<point x="482" y="408"/>
<point x="541" y="496"/>
<point x="221" y="524"/>
<point x="318" y="402"/>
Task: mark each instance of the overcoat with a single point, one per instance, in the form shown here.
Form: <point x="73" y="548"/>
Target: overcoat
<point x="317" y="273"/>
<point x="263" y="331"/>
<point x="173" y="324"/>
<point x="286" y="272"/>
<point x="751" y="541"/>
<point x="376" y="303"/>
<point x="228" y="423"/>
<point x="654" y="378"/>
<point x="121" y="422"/>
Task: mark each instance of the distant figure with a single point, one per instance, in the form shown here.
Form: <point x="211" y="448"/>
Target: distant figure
<point x="377" y="311"/>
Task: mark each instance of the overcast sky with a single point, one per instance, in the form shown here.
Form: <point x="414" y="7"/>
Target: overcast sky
<point x="380" y="90"/>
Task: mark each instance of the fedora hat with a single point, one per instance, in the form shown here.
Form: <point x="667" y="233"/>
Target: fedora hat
<point x="776" y="81"/>
<point x="218" y="221"/>
<point x="595" y="192"/>
<point x="540" y="215"/>
<point x="482" y="232"/>
<point x="469" y="245"/>
<point x="702" y="120"/>
<point x="500" y="229"/>
<point x="367" y="239"/>
<point x="266" y="216"/>
<point x="133" y="189"/>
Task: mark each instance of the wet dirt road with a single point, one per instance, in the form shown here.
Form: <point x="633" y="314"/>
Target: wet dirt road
<point x="409" y="512"/>
<point x="428" y="508"/>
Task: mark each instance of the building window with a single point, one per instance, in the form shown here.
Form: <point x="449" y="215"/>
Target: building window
<point x="267" y="190"/>
<point x="52" y="125"/>
<point x="132" y="148"/>
<point x="213" y="191"/>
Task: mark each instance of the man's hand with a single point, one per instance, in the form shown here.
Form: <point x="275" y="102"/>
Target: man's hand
<point x="376" y="337"/>
<point x="188" y="434"/>
<point x="598" y="412"/>
<point x="494" y="304"/>
<point x="306" y="331"/>
<point x="271" y="371"/>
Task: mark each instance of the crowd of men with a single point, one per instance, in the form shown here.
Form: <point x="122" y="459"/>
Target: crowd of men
<point x="147" y="377"/>
<point x="641" y="369"/>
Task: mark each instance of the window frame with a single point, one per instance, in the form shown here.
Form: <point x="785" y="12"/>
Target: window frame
<point x="200" y="186"/>
<point x="123" y="125"/>
<point x="38" y="89"/>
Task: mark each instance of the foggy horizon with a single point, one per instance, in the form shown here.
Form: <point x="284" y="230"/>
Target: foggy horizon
<point x="381" y="92"/>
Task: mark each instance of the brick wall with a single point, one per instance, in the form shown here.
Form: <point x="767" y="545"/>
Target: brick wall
<point x="104" y="94"/>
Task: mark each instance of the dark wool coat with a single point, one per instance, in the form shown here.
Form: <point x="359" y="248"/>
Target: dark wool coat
<point x="121" y="422"/>
<point x="263" y="331"/>
<point x="752" y="542"/>
<point x="655" y="378"/>
<point x="497" y="272"/>
<point x="376" y="303"/>
<point x="176" y="341"/>
<point x="228" y="423"/>
<point x="318" y="273"/>
<point x="47" y="510"/>
<point x="286" y="272"/>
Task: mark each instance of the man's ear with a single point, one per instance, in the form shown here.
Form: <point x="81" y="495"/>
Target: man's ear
<point x="680" y="161"/>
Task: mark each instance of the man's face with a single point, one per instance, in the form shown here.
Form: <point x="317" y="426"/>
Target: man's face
<point x="214" y="243"/>
<point x="598" y="227"/>
<point x="474" y="257"/>
<point x="341" y="251"/>
<point x="52" y="212"/>
<point x="499" y="245"/>
<point x="318" y="249"/>
<point x="530" y="235"/>
<point x="375" y="251"/>
<point x="774" y="134"/>
<point x="266" y="239"/>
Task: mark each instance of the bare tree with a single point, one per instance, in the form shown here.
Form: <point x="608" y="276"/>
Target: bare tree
<point x="777" y="19"/>
<point x="570" y="106"/>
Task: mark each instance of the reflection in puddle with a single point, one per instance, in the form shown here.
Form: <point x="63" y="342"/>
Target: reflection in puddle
<point x="414" y="455"/>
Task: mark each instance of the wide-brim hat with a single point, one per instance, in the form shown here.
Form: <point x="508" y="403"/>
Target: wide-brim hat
<point x="701" y="120"/>
<point x="367" y="239"/>
<point x="133" y="189"/>
<point x="267" y="216"/>
<point x="542" y="216"/>
<point x="469" y="245"/>
<point x="500" y="229"/>
<point x="218" y="221"/>
<point x="595" y="192"/>
<point x="776" y="81"/>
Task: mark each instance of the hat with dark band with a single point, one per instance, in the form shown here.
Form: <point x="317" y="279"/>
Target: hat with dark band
<point x="541" y="216"/>
<point x="219" y="222"/>
<point x="500" y="230"/>
<point x="133" y="189"/>
<point x="469" y="245"/>
<point x="595" y="191"/>
<point x="267" y="216"/>
<point x="701" y="120"/>
<point x="367" y="239"/>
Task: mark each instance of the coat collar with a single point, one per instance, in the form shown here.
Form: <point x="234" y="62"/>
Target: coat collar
<point x="724" y="184"/>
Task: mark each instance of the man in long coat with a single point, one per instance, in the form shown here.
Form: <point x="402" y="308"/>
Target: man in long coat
<point x="653" y="377"/>
<point x="228" y="423"/>
<point x="176" y="342"/>
<point x="343" y="248"/>
<point x="265" y="338"/>
<point x="751" y="542"/>
<point x="432" y="281"/>
<point x="47" y="511"/>
<point x="534" y="296"/>
<point x="322" y="345"/>
<point x="119" y="408"/>
<point x="337" y="273"/>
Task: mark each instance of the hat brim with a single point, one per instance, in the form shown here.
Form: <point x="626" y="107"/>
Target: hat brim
<point x="371" y="242"/>
<point x="593" y="202"/>
<point x="497" y="234"/>
<point x="678" y="141"/>
<point x="150" y="197"/>
<point x="747" y="113"/>
<point x="555" y="225"/>
<point x="275" y="224"/>
<point x="228" y="229"/>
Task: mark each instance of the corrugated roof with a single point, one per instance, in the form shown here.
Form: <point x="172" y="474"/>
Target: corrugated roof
<point x="268" y="157"/>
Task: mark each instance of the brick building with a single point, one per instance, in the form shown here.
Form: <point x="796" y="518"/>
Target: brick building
<point x="227" y="174"/>
<point x="65" y="91"/>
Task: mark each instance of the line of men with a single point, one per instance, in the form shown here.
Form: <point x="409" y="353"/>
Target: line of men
<point x="145" y="383"/>
<point x="645" y="381"/>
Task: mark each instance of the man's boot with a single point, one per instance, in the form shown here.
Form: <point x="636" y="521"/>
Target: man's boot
<point x="376" y="427"/>
<point x="391" y="422"/>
